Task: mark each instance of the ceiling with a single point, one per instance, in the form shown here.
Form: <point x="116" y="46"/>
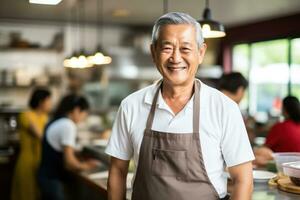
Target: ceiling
<point x="144" y="12"/>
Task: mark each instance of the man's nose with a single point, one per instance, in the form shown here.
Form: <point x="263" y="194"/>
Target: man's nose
<point x="176" y="56"/>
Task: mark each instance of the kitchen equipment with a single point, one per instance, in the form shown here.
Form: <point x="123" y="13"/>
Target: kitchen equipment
<point x="3" y="132"/>
<point x="285" y="157"/>
<point x="292" y="170"/>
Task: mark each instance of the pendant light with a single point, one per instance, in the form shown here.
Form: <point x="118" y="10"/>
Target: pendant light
<point x="211" y="28"/>
<point x="72" y="60"/>
<point x="79" y="60"/>
<point x="99" y="58"/>
<point x="82" y="59"/>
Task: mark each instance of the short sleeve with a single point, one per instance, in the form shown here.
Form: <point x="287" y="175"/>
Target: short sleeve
<point x="235" y="145"/>
<point x="68" y="138"/>
<point x="120" y="145"/>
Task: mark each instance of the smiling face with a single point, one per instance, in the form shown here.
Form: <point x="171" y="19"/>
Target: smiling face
<point x="176" y="54"/>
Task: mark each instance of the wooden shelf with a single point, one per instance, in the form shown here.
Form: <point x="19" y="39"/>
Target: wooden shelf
<point x="15" y="86"/>
<point x="29" y="50"/>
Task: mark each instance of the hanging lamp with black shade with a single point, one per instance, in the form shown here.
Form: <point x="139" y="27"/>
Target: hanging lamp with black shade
<point x="211" y="28"/>
<point x="99" y="58"/>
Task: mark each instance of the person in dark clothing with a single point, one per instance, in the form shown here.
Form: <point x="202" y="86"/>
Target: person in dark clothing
<point x="58" y="145"/>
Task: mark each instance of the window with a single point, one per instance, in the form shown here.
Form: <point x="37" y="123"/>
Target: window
<point x="241" y="64"/>
<point x="295" y="68"/>
<point x="266" y="65"/>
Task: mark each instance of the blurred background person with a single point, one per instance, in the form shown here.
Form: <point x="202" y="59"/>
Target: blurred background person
<point x="283" y="136"/>
<point x="233" y="85"/>
<point x="59" y="144"/>
<point x="31" y="126"/>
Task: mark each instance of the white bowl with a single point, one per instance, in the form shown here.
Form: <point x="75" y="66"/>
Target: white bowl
<point x="258" y="175"/>
<point x="285" y="157"/>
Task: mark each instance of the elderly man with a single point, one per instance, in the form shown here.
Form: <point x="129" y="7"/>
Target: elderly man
<point x="180" y="132"/>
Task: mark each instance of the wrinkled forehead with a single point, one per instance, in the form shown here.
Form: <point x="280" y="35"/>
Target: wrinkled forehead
<point x="185" y="33"/>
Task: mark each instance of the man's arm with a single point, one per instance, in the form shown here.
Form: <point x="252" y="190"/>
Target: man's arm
<point x="242" y="178"/>
<point x="116" y="186"/>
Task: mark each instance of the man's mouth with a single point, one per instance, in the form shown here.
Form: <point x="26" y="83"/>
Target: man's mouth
<point x="176" y="68"/>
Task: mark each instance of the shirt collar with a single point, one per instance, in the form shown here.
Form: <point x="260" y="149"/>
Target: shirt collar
<point x="160" y="101"/>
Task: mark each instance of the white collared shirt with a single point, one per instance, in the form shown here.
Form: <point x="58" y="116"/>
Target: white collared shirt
<point x="223" y="136"/>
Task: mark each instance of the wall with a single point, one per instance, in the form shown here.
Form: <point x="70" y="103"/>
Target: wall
<point x="40" y="62"/>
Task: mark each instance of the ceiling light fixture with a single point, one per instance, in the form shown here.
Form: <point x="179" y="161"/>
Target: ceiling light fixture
<point x="99" y="58"/>
<point x="121" y="12"/>
<point x="45" y="2"/>
<point x="83" y="61"/>
<point x="211" y="28"/>
<point x="79" y="60"/>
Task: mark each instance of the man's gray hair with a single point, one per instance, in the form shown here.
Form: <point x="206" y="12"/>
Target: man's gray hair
<point x="177" y="18"/>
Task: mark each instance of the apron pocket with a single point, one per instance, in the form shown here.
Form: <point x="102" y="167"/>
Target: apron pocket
<point x="169" y="163"/>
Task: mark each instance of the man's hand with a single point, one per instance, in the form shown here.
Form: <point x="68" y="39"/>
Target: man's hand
<point x="116" y="185"/>
<point x="242" y="178"/>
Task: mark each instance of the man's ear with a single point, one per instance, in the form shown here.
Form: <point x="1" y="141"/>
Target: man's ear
<point x="240" y="90"/>
<point x="152" y="49"/>
<point x="202" y="50"/>
<point x="240" y="93"/>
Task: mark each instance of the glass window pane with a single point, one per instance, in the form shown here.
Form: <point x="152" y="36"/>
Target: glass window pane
<point x="295" y="68"/>
<point x="269" y="76"/>
<point x="241" y="59"/>
<point x="241" y="64"/>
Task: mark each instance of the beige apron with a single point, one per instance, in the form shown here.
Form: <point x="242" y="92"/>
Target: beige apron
<point x="170" y="165"/>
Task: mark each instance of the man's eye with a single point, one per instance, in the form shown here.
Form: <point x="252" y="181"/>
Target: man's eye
<point x="167" y="49"/>
<point x="186" y="49"/>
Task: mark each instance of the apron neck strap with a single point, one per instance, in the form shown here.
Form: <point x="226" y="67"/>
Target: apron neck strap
<point x="153" y="107"/>
<point x="196" y="108"/>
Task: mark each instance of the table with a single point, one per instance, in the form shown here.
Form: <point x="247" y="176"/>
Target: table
<point x="262" y="191"/>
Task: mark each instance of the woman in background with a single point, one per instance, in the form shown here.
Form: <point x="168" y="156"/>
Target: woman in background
<point x="283" y="136"/>
<point x="59" y="147"/>
<point x="31" y="127"/>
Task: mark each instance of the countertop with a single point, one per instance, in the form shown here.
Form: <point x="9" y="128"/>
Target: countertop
<point x="98" y="179"/>
<point x="262" y="191"/>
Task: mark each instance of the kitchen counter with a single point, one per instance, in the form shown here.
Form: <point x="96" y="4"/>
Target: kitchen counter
<point x="262" y="191"/>
<point x="98" y="179"/>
